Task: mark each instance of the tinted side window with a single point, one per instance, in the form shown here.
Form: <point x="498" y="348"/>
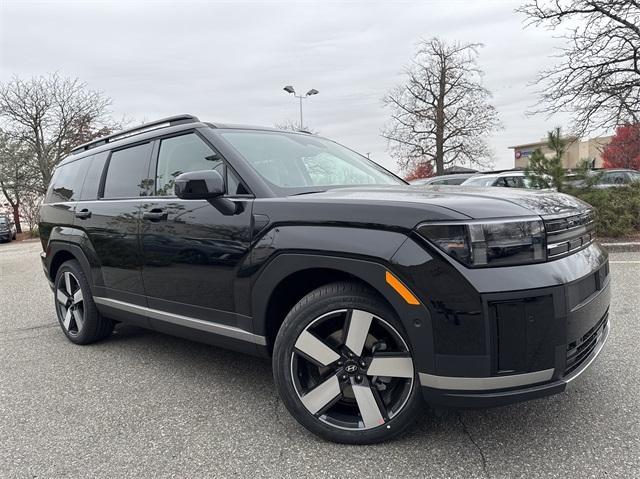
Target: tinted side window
<point x="66" y="182"/>
<point x="614" y="178"/>
<point x="181" y="154"/>
<point x="127" y="172"/>
<point x="94" y="175"/>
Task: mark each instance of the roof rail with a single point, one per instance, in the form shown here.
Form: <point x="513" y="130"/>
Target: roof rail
<point x="154" y="125"/>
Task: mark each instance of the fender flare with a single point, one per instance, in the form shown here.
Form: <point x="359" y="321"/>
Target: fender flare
<point x="74" y="242"/>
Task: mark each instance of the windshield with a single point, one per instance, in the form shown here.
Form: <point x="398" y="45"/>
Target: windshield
<point x="291" y="161"/>
<point x="480" y="181"/>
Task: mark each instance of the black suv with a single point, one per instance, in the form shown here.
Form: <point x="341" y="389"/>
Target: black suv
<point x="370" y="295"/>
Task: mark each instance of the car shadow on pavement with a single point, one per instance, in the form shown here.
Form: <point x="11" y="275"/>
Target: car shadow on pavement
<point x="253" y="383"/>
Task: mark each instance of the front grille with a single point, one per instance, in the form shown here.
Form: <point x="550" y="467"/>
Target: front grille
<point x="568" y="234"/>
<point x="580" y="349"/>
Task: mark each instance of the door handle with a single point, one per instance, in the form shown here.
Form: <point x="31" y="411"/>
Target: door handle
<point x="155" y="214"/>
<point x="83" y="214"/>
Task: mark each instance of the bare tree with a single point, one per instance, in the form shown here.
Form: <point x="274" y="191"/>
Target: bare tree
<point x="30" y="210"/>
<point x="51" y="115"/>
<point x="290" y="125"/>
<point x="16" y="175"/>
<point x="597" y="77"/>
<point x="441" y="115"/>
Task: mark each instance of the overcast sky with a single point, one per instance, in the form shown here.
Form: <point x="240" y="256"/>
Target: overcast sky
<point x="228" y="61"/>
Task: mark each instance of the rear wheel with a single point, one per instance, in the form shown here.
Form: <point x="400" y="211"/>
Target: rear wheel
<point x="77" y="313"/>
<point x="343" y="366"/>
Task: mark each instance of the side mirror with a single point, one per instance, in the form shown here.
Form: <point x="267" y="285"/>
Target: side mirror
<point x="199" y="185"/>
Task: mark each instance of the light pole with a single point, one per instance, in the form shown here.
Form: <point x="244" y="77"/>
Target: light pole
<point x="313" y="91"/>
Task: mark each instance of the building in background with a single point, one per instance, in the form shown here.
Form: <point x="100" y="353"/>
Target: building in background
<point x="576" y="151"/>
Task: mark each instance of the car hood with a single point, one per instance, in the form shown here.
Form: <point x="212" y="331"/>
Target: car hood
<point x="475" y="203"/>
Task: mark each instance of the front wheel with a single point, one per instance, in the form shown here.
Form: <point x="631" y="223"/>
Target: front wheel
<point x="343" y="366"/>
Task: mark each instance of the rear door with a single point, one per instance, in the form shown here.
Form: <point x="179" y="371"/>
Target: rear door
<point x="109" y="213"/>
<point x="191" y="251"/>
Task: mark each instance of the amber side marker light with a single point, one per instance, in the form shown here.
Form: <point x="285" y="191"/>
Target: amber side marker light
<point x="401" y="289"/>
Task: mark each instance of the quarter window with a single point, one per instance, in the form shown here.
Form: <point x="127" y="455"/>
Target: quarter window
<point x="67" y="182"/>
<point x="127" y="172"/>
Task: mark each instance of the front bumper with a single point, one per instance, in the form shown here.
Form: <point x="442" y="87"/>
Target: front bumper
<point x="500" y="335"/>
<point x="502" y="390"/>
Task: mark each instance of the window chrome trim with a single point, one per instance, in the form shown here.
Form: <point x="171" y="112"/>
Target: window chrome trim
<point x="486" y="383"/>
<point x="180" y="320"/>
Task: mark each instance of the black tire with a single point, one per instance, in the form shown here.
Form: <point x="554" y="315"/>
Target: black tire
<point x="315" y="306"/>
<point x="93" y="326"/>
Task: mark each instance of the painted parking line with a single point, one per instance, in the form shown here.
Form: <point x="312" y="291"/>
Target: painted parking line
<point x="625" y="262"/>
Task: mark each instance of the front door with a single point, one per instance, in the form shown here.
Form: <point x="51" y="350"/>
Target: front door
<point x="191" y="251"/>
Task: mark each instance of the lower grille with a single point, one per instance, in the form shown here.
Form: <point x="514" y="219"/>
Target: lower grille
<point x="580" y="349"/>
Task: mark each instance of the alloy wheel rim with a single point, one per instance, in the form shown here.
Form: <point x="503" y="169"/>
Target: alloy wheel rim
<point x="352" y="370"/>
<point x="70" y="303"/>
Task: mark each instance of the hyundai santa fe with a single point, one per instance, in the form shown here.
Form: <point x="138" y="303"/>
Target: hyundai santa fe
<point x="369" y="295"/>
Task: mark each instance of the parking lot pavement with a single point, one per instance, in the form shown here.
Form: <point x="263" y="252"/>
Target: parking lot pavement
<point x="143" y="404"/>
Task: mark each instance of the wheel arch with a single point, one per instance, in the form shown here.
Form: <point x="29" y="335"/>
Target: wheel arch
<point x="67" y="243"/>
<point x="290" y="276"/>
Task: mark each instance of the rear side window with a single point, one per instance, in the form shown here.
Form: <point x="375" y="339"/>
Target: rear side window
<point x="127" y="172"/>
<point x="94" y="175"/>
<point x="614" y="178"/>
<point x="66" y="182"/>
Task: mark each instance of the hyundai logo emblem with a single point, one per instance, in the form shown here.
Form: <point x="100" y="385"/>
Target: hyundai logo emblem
<point x="351" y="368"/>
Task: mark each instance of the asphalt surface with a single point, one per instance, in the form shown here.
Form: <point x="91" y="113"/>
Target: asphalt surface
<point x="142" y="404"/>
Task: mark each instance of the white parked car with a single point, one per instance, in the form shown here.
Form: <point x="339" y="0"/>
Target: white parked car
<point x="508" y="179"/>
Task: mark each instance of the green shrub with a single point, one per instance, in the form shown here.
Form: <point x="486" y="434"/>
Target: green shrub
<point x="618" y="209"/>
<point x="34" y="233"/>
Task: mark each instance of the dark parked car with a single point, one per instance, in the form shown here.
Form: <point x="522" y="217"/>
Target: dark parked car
<point x="7" y="228"/>
<point x="369" y="295"/>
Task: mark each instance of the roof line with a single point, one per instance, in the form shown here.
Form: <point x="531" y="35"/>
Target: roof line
<point x="154" y="125"/>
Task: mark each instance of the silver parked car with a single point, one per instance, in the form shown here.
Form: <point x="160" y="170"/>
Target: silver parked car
<point x="452" y="179"/>
<point x="508" y="179"/>
<point x="615" y="177"/>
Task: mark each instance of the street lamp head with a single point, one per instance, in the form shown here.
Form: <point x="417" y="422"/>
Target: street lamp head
<point x="289" y="89"/>
<point x="313" y="91"/>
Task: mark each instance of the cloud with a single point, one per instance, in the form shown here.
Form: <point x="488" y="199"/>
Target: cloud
<point x="228" y="61"/>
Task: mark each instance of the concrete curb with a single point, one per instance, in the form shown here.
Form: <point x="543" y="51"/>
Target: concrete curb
<point x="622" y="247"/>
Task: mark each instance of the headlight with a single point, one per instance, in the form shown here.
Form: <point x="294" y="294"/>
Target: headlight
<point x="490" y="243"/>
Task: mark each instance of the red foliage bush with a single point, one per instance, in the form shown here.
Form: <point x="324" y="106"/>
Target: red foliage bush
<point x="624" y="149"/>
<point x="420" y="170"/>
